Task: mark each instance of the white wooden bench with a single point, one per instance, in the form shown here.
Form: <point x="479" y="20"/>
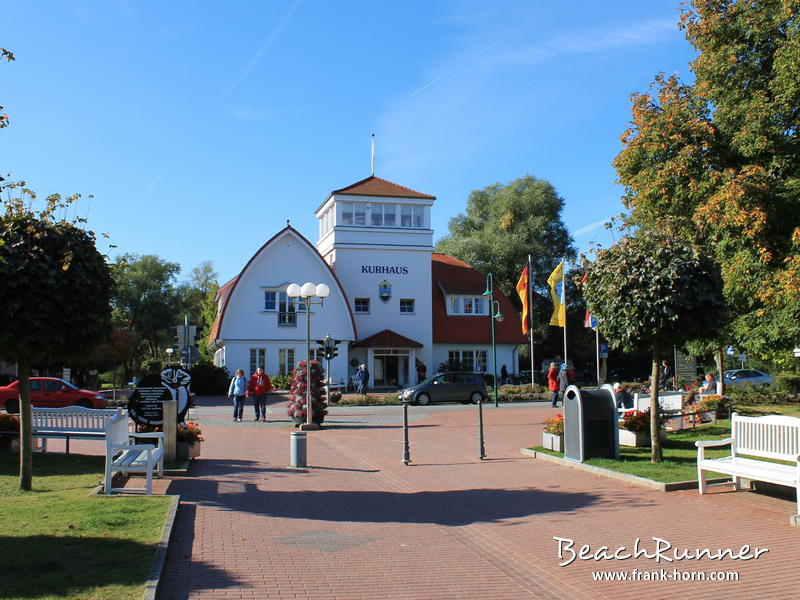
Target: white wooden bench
<point x="122" y="456"/>
<point x="70" y="422"/>
<point x="773" y="437"/>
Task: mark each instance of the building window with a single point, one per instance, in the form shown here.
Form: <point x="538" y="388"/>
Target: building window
<point x="361" y="306"/>
<point x="347" y="213"/>
<point x="288" y="309"/>
<point x="258" y="358"/>
<point x="270" y="301"/>
<point x="285" y="361"/>
<point x="359" y="214"/>
<point x="407" y="306"/>
<point x="383" y="215"/>
<point x="467" y="305"/>
<point x="467" y="360"/>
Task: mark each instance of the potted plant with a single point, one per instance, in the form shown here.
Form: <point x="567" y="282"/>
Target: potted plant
<point x="189" y="438"/>
<point x="296" y="408"/>
<point x="553" y="434"/>
<point x="712" y="407"/>
<point x="635" y="429"/>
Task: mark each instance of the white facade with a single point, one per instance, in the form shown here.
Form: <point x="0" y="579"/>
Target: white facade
<point x="254" y="333"/>
<point x="375" y="254"/>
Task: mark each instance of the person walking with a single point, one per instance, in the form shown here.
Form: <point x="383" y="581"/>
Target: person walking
<point x="362" y="380"/>
<point x="238" y="390"/>
<point x="259" y="386"/>
<point x="565" y="377"/>
<point x="552" y="384"/>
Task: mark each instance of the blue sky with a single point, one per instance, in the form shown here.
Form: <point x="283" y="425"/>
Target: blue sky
<point x="201" y="127"/>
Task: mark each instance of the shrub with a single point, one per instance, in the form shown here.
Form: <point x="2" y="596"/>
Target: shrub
<point x="151" y="364"/>
<point x="748" y="394"/>
<point x="209" y="379"/>
<point x="281" y="382"/>
<point x="788" y="382"/>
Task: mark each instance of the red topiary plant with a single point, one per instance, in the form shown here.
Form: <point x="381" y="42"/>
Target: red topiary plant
<point x="297" y="394"/>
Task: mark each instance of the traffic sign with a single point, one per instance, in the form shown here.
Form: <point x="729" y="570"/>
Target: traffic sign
<point x="603" y="350"/>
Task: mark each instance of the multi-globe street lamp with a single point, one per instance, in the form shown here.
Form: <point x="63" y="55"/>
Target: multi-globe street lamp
<point x="304" y="295"/>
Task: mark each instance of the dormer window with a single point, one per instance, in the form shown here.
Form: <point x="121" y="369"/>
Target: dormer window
<point x="467" y="305"/>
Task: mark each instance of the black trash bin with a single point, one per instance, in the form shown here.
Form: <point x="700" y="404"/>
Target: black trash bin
<point x="590" y="424"/>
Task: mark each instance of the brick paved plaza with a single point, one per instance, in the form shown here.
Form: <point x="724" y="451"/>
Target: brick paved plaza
<point x="361" y="525"/>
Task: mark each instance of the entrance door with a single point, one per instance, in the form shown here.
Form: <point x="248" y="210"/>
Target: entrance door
<point x="387" y="371"/>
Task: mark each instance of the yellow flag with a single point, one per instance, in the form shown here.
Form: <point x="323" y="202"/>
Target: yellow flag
<point x="522" y="291"/>
<point x="556" y="282"/>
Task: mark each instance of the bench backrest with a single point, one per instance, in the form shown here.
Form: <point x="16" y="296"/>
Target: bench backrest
<point x="71" y="418"/>
<point x="773" y="436"/>
<point x="667" y="401"/>
<point x="117" y="433"/>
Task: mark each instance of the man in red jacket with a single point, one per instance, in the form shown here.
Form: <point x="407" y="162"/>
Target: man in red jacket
<point x="258" y="388"/>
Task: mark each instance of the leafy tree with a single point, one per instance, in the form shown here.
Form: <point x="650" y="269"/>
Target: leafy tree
<point x="718" y="162"/>
<point x="55" y="296"/>
<point x="504" y="224"/>
<point x="145" y="303"/>
<point x="651" y="290"/>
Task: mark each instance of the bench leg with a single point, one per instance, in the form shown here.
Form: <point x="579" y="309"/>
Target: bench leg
<point x="737" y="483"/>
<point x="149" y="486"/>
<point x="109" y="477"/>
<point x="701" y="481"/>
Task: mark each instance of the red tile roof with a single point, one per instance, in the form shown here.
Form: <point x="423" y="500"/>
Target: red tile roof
<point x="375" y="186"/>
<point x="387" y="339"/>
<point x="452" y="276"/>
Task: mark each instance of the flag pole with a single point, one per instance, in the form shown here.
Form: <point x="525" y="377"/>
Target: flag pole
<point x="564" y="301"/>
<point x="597" y="340"/>
<point x="530" y="315"/>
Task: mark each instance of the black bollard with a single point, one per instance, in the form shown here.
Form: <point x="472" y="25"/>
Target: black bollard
<point x="481" y="449"/>
<point x="406" y="452"/>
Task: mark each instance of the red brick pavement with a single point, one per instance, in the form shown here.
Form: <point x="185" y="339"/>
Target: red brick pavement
<point x="361" y="525"/>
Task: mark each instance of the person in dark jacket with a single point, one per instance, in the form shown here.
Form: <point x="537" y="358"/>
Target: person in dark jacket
<point x="362" y="380"/>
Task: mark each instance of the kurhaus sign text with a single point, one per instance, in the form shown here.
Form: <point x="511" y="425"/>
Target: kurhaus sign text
<point x="383" y="270"/>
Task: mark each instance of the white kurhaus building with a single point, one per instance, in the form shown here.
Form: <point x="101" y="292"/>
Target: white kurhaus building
<point x="395" y="305"/>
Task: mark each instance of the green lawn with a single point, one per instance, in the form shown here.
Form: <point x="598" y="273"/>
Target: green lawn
<point x="680" y="455"/>
<point x="60" y="541"/>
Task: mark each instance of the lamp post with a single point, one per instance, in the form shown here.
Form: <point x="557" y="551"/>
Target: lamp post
<point x="304" y="295"/>
<point x="169" y="352"/>
<point x="494" y="315"/>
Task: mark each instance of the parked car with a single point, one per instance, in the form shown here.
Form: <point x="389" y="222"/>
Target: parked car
<point x="447" y="387"/>
<point x="50" y="392"/>
<point x="739" y="377"/>
<point x="524" y="377"/>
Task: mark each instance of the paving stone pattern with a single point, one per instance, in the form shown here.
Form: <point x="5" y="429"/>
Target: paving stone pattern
<point x="359" y="524"/>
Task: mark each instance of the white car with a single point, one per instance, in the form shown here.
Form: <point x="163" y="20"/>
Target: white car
<point x="739" y="377"/>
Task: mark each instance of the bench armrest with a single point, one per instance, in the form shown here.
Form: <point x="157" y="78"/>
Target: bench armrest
<point x="707" y="443"/>
<point x="153" y="434"/>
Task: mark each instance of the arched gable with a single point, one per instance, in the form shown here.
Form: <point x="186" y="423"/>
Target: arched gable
<point x="284" y="258"/>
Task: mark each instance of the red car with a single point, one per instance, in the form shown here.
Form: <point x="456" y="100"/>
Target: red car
<point x="49" y="392"/>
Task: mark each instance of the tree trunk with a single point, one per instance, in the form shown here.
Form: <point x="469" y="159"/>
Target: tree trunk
<point x="719" y="358"/>
<point x="655" y="421"/>
<point x="25" y="429"/>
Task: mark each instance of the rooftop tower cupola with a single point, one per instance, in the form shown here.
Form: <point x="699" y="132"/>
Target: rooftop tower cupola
<point x="374" y="214"/>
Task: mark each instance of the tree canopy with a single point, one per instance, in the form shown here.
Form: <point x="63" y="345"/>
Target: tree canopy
<point x="718" y="161"/>
<point x="503" y="224"/>
<point x="55" y="295"/>
<point x="651" y="290"/>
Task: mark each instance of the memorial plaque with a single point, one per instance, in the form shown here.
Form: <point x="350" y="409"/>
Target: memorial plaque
<point x="146" y="404"/>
